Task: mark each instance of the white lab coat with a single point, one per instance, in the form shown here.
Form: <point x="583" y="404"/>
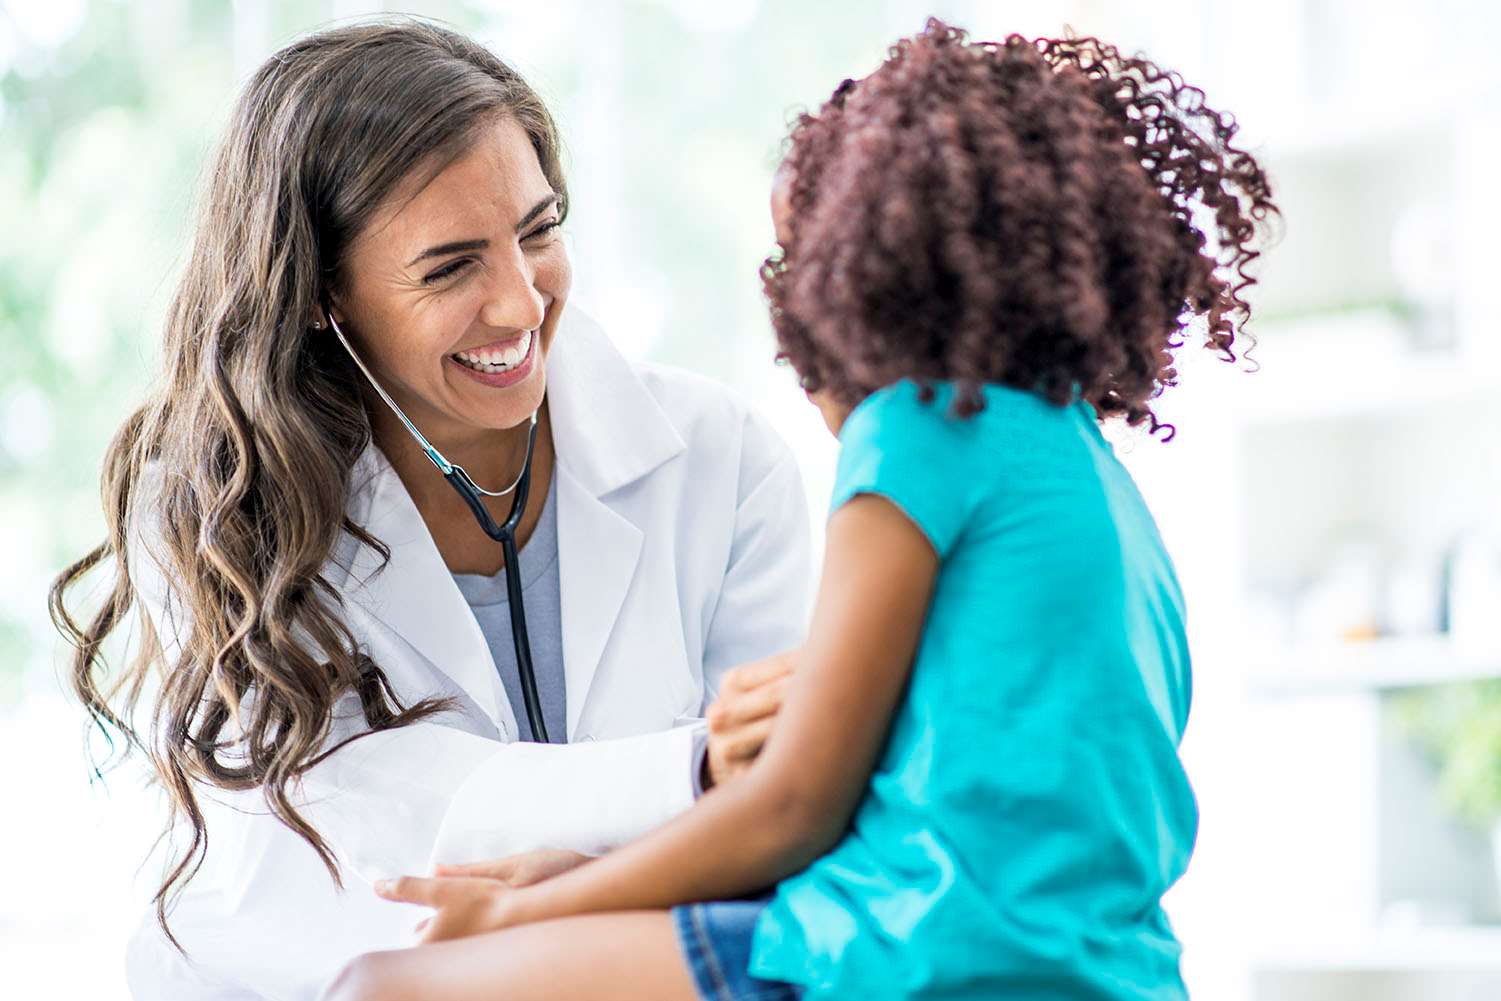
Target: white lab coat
<point x="683" y="550"/>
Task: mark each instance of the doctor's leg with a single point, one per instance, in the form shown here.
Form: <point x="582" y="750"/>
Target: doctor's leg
<point x="632" y="956"/>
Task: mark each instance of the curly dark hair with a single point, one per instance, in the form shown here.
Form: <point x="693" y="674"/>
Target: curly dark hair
<point x="1046" y="214"/>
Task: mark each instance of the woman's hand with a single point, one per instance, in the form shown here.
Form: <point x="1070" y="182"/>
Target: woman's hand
<point x="479" y="896"/>
<point x="519" y="870"/>
<point x="741" y="716"/>
<point x="462" y="905"/>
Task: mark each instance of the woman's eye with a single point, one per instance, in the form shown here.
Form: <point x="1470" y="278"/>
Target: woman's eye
<point x="543" y="229"/>
<point x="450" y="270"/>
<point x="446" y="272"/>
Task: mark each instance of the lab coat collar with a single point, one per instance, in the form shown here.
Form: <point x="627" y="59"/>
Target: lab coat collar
<point x="608" y="432"/>
<point x="413" y="594"/>
<point x="607" y="427"/>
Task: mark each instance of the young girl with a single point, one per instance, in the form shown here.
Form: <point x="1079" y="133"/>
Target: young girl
<point x="973" y="789"/>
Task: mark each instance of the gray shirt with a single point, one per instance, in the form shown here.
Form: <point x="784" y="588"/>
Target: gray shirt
<point x="491" y="605"/>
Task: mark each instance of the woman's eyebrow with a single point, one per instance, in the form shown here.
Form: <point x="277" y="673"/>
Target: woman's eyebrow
<point x="537" y="209"/>
<point x="458" y="245"/>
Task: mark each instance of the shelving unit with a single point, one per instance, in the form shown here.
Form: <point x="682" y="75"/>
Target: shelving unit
<point x="1458" y="948"/>
<point x="1328" y="867"/>
<point x="1374" y="666"/>
<point x="1382" y="385"/>
<point x="1448" y="964"/>
<point x="1373" y="429"/>
<point x="1404" y="462"/>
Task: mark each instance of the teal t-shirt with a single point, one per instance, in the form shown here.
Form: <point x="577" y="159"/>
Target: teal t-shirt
<point x="1029" y="808"/>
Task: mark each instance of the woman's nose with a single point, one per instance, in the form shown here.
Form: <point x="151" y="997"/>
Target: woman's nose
<point x="513" y="301"/>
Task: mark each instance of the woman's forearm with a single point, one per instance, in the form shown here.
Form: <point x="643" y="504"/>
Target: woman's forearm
<point x="609" y="807"/>
<point x="737" y="840"/>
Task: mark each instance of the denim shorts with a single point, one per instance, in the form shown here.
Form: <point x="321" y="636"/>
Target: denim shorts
<point x="716" y="942"/>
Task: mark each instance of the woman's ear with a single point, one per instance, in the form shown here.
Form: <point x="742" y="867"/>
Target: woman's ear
<point x="318" y="317"/>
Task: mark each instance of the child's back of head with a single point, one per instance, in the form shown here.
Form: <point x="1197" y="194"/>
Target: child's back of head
<point x="1048" y="215"/>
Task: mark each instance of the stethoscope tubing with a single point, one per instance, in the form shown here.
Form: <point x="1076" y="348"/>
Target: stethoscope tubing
<point x="503" y="533"/>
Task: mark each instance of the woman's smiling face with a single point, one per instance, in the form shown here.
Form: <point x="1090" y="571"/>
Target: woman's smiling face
<point x="454" y="292"/>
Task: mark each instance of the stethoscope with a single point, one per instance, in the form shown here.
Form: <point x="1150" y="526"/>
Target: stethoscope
<point x="504" y="533"/>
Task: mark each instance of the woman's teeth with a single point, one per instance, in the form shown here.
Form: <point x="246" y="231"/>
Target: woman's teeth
<point x="497" y="360"/>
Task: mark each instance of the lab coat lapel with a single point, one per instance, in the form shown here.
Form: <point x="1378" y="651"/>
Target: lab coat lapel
<point x="608" y="432"/>
<point x="598" y="550"/>
<point x="414" y="594"/>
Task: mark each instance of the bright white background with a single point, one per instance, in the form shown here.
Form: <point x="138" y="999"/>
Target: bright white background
<point x="1309" y="505"/>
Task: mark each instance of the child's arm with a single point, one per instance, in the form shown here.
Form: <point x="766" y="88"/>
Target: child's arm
<point x="796" y="800"/>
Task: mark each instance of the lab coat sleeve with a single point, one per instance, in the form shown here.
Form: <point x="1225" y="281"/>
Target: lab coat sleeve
<point x="586" y="797"/>
<point x="763" y="604"/>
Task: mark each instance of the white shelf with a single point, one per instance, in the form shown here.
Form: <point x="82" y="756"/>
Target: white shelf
<point x="1372" y="665"/>
<point x="1341" y="366"/>
<point x="1377" y="392"/>
<point x="1469" y="948"/>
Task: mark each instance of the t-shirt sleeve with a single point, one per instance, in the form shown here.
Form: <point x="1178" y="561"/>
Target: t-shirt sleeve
<point x="916" y="455"/>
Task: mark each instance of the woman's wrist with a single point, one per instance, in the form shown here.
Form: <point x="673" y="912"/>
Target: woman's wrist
<point x="511" y="908"/>
<point x="529" y="904"/>
<point x="581" y="890"/>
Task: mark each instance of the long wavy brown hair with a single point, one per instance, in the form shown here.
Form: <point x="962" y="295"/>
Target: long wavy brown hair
<point x="233" y="476"/>
<point x="1046" y="214"/>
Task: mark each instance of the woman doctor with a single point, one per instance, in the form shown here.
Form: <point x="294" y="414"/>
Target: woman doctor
<point x="331" y="688"/>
